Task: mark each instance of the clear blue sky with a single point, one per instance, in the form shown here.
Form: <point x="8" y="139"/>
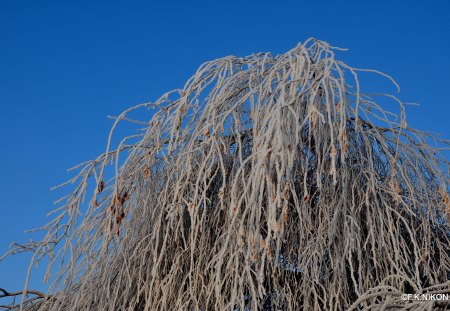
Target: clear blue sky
<point x="66" y="65"/>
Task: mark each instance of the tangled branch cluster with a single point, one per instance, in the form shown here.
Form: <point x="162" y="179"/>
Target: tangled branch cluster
<point x="267" y="182"/>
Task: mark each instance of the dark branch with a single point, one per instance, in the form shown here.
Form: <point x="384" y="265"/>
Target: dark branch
<point x="32" y="292"/>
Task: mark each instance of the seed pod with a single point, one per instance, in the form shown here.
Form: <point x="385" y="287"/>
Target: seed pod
<point x="100" y="186"/>
<point x="146" y="172"/>
<point x="360" y="122"/>
<point x="269" y="252"/>
<point x="262" y="244"/>
<point x="255" y="256"/>
<point x="118" y="200"/>
<point x="285" y="215"/>
<point x="306" y="198"/>
<point x="286" y="191"/>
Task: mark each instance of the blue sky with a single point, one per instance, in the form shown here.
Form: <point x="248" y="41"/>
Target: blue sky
<point x="66" y="65"/>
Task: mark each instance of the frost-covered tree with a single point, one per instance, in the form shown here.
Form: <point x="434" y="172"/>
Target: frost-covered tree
<point x="266" y="183"/>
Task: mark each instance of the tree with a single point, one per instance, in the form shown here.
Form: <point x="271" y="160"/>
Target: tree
<point x="267" y="182"/>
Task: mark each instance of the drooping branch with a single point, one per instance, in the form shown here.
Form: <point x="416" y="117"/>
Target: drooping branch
<point x="32" y="292"/>
<point x="27" y="301"/>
